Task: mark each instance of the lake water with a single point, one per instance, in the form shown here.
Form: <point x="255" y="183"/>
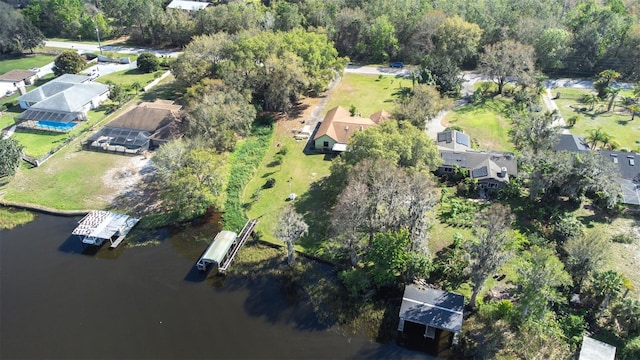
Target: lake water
<point x="56" y="302"/>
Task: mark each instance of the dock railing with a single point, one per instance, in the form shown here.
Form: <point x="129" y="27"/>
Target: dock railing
<point x="246" y="231"/>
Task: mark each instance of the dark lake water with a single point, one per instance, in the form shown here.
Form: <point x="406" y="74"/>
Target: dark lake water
<point x="56" y="302"/>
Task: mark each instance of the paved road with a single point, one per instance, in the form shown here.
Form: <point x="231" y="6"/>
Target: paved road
<point x="117" y="48"/>
<point x="377" y="70"/>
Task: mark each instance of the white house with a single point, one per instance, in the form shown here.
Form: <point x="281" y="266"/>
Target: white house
<point x="64" y="99"/>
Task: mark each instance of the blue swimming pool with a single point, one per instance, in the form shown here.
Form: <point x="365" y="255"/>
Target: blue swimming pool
<point x="56" y="125"/>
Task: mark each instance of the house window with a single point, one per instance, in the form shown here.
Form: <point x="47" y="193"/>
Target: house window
<point x="325" y="144"/>
<point x="448" y="170"/>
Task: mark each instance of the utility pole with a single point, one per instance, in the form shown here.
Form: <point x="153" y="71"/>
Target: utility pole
<point x="98" y="36"/>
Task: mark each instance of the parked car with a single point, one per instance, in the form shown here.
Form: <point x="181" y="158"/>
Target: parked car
<point x="9" y="93"/>
<point x="397" y="64"/>
<point x="35" y="69"/>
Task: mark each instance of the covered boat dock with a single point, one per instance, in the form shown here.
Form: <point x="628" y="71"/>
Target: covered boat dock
<point x="224" y="248"/>
<point x="99" y="226"/>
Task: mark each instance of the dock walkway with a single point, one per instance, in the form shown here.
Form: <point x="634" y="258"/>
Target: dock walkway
<point x="246" y="231"/>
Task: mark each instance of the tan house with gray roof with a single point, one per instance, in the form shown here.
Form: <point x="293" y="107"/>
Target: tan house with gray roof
<point x="492" y="169"/>
<point x="338" y="126"/>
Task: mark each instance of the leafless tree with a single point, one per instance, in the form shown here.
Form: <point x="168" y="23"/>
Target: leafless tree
<point x="380" y="197"/>
<point x="291" y="227"/>
<point x="488" y="252"/>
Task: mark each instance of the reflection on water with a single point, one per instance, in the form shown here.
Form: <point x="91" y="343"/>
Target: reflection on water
<point x="57" y="301"/>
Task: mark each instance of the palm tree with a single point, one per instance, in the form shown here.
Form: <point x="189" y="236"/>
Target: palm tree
<point x="595" y="136"/>
<point x="591" y="100"/>
<point x="609" y="142"/>
<point x="613" y="93"/>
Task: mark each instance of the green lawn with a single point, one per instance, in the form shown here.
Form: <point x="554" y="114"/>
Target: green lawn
<point x="38" y="143"/>
<point x="296" y="174"/>
<point x="615" y="123"/>
<point x="25" y="62"/>
<point x="485" y="123"/>
<point x="71" y="180"/>
<point x="368" y="93"/>
<point x="127" y="77"/>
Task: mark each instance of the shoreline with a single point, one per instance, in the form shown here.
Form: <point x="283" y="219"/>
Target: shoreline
<point x="42" y="209"/>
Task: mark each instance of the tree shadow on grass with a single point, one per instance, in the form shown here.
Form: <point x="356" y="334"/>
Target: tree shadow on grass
<point x="315" y="206"/>
<point x="166" y="91"/>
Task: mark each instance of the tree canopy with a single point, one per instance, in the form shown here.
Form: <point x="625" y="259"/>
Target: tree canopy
<point x="68" y="62"/>
<point x="17" y="34"/>
<point x="10" y="156"/>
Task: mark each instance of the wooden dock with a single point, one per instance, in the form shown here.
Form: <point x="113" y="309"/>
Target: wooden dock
<point x="246" y="231"/>
<point x="123" y="234"/>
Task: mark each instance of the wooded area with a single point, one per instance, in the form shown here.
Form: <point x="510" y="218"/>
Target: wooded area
<point x="246" y="61"/>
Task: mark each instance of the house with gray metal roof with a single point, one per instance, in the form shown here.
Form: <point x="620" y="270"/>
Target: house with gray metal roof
<point x="58" y="104"/>
<point x="430" y="315"/>
<point x="492" y="169"/>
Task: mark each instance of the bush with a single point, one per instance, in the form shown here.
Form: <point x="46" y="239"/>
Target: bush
<point x="148" y="62"/>
<point x="568" y="227"/>
<point x="355" y="281"/>
<point x="623" y="238"/>
<point x="271" y="182"/>
<point x="572" y="121"/>
<point x="499" y="310"/>
<point x="243" y="162"/>
<point x="631" y="350"/>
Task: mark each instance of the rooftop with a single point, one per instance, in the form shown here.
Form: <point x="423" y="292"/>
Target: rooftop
<point x="188" y="5"/>
<point x="432" y="307"/>
<point x="339" y="125"/>
<point x="593" y="349"/>
<point x="65" y="93"/>
<point x="573" y="143"/>
<point x="17" y="75"/>
<point x="453" y="140"/>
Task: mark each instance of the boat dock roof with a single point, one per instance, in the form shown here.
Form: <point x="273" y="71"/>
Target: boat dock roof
<point x="220" y="246"/>
<point x="104" y="225"/>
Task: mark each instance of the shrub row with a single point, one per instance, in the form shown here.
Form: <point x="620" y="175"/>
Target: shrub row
<point x="244" y="162"/>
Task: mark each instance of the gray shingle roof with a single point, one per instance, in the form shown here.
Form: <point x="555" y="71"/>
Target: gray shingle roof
<point x="431" y="307"/>
<point x="573" y="143"/>
<point x="472" y="159"/>
<point x="454" y="140"/>
<point x="628" y="163"/>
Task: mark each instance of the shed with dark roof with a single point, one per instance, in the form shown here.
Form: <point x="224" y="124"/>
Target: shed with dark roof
<point x="430" y="315"/>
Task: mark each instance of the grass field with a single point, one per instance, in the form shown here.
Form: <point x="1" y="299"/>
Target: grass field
<point x="38" y="143"/>
<point x="128" y="77"/>
<point x="296" y="174"/>
<point x="368" y="93"/>
<point x="71" y="180"/>
<point x="615" y="123"/>
<point x="485" y="123"/>
<point x="25" y="62"/>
